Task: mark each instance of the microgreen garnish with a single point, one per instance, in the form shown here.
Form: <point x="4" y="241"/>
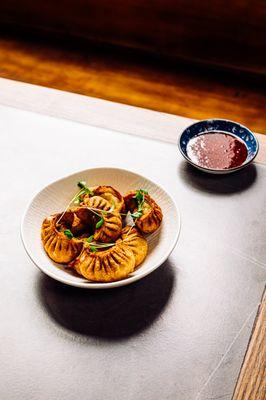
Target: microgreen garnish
<point x="68" y="233"/>
<point x="84" y="190"/>
<point x="77" y="199"/>
<point x="83" y="185"/>
<point x="140" y="198"/>
<point x="144" y="191"/>
<point x="90" y="239"/>
<point x="136" y="214"/>
<point x="93" y="248"/>
<point x="140" y="195"/>
<point x="100" y="223"/>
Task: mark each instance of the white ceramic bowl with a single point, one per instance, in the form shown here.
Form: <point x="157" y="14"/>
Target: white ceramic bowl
<point x="56" y="196"/>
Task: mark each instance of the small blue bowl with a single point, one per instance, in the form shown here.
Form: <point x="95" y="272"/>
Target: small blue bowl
<point x="223" y="126"/>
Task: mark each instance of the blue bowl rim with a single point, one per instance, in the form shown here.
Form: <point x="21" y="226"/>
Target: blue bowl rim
<point x="246" y="163"/>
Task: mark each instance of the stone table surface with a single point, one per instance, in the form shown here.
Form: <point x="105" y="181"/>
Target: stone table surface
<point x="179" y="333"/>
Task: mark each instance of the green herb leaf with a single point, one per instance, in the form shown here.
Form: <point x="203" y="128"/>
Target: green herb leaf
<point x="139" y="196"/>
<point x="136" y="214"/>
<point x="93" y="248"/>
<point x="82" y="184"/>
<point x="68" y="233"/>
<point x="90" y="239"/>
<point x="78" y="198"/>
<point x="86" y="189"/>
<point x="100" y="223"/>
<point x="140" y="207"/>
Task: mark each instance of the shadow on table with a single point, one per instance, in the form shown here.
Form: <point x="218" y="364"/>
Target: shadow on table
<point x="218" y="184"/>
<point x="113" y="313"/>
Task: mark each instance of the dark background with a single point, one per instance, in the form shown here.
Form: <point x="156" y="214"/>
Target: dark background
<point x="199" y="59"/>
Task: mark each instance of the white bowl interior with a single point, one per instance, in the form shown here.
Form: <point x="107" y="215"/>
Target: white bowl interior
<point x="56" y="196"/>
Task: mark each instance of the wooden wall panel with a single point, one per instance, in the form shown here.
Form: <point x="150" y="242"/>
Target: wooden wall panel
<point x="225" y="33"/>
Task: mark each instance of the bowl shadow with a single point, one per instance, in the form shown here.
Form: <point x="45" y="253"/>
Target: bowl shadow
<point x="234" y="182"/>
<point x="112" y="314"/>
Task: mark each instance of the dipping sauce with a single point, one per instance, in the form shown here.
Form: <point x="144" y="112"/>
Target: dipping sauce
<point x="217" y="150"/>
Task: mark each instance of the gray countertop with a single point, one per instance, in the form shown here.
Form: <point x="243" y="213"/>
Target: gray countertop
<point x="181" y="332"/>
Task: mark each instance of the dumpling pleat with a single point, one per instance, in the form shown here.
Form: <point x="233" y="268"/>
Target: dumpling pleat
<point x="136" y="242"/>
<point x="58" y="247"/>
<point x="105" y="266"/>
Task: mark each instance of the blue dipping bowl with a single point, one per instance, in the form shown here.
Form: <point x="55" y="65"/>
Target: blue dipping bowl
<point x="223" y="126"/>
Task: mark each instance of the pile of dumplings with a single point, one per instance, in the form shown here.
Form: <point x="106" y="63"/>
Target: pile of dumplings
<point x="94" y="237"/>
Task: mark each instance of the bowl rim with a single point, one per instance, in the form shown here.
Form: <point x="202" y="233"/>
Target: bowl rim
<point x="90" y="284"/>
<point x="219" y="171"/>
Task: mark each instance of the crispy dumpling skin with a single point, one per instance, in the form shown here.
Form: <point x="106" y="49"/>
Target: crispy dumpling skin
<point x="152" y="216"/>
<point x="58" y="247"/>
<point x="112" y="195"/>
<point x="112" y="226"/>
<point x="137" y="243"/>
<point x="109" y="265"/>
<point x="97" y="202"/>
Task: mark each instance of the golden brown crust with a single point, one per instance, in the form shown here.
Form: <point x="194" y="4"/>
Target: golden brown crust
<point x="97" y="202"/>
<point x="152" y="215"/>
<point x="137" y="243"/>
<point x="58" y="247"/>
<point x="105" y="266"/>
<point x="112" y="195"/>
<point x="111" y="228"/>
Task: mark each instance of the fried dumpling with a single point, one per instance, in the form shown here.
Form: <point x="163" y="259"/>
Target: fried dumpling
<point x="57" y="245"/>
<point x="151" y="217"/>
<point x="109" y="265"/>
<point x="111" y="226"/>
<point x="112" y="195"/>
<point x="137" y="243"/>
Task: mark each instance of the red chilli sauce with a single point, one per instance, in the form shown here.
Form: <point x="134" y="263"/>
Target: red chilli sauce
<point x="217" y="150"/>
